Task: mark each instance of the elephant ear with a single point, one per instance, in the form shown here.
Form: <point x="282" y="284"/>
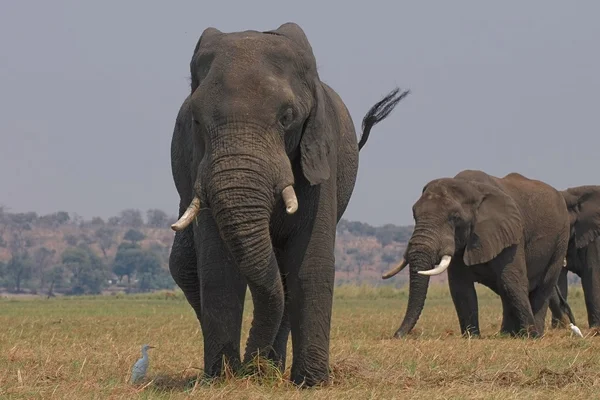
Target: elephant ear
<point x="317" y="134"/>
<point x="497" y="225"/>
<point x="206" y="35"/>
<point x="583" y="203"/>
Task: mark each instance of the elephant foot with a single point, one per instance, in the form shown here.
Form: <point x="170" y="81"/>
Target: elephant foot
<point x="308" y="377"/>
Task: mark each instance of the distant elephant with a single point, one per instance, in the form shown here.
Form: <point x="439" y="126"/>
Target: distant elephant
<point x="583" y="253"/>
<point x="264" y="156"/>
<point x="509" y="234"/>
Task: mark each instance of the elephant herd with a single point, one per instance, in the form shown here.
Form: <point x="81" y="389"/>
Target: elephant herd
<point x="264" y="157"/>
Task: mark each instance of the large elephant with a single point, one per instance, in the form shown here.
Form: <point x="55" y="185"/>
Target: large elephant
<point x="583" y="254"/>
<point x="509" y="234"/>
<point x="264" y="157"/>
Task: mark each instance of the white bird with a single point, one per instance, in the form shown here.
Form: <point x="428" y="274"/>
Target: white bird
<point x="575" y="330"/>
<point x="139" y="368"/>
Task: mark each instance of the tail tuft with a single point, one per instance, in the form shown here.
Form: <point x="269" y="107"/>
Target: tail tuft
<point x="379" y="112"/>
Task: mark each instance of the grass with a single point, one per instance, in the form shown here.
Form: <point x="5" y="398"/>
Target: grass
<point x="83" y="348"/>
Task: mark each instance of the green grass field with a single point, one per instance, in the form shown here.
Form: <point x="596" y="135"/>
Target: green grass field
<point x="83" y="348"/>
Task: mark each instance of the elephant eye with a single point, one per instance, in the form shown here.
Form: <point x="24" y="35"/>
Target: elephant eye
<point x="287" y="118"/>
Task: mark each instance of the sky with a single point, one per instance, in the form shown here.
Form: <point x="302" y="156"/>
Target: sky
<point x="89" y="92"/>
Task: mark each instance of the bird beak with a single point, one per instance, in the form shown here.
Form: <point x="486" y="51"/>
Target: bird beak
<point x="151" y="347"/>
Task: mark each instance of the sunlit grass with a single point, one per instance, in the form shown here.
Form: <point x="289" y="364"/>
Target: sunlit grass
<point x="79" y="348"/>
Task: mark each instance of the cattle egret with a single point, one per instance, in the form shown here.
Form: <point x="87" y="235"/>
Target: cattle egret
<point x="139" y="368"/>
<point x="575" y="330"/>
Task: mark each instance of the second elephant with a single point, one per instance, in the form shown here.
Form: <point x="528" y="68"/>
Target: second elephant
<point x="583" y="254"/>
<point x="509" y="234"/>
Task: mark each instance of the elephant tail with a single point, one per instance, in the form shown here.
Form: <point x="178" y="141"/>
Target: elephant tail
<point x="379" y="112"/>
<point x="565" y="306"/>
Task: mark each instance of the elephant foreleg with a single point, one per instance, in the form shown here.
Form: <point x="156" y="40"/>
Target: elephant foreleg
<point x="590" y="282"/>
<point x="464" y="296"/>
<point x="183" y="267"/>
<point x="310" y="272"/>
<point x="222" y="291"/>
<point x="510" y="323"/>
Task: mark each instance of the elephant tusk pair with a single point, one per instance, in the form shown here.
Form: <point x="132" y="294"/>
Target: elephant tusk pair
<point x="395" y="270"/>
<point x="441" y="267"/>
<point x="288" y="194"/>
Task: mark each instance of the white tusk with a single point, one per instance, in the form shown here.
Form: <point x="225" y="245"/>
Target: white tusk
<point x="395" y="270"/>
<point x="290" y="200"/>
<point x="188" y="216"/>
<point x="441" y="267"/>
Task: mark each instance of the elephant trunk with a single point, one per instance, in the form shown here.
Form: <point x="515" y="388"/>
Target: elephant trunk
<point x="417" y="293"/>
<point x="240" y="188"/>
<point x="421" y="256"/>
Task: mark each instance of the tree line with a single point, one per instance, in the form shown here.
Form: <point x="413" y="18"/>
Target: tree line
<point x="61" y="253"/>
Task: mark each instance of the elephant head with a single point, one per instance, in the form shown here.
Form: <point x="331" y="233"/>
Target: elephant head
<point x="583" y="203"/>
<point x="455" y="218"/>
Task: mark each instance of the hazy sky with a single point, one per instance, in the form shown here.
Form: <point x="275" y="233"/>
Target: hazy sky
<point x="89" y="92"/>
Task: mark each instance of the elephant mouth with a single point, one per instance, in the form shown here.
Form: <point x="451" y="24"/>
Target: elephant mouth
<point x="288" y="194"/>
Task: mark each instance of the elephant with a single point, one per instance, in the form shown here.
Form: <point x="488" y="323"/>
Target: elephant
<point x="264" y="157"/>
<point x="583" y="253"/>
<point x="509" y="234"/>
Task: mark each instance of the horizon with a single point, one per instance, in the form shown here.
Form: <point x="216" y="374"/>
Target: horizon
<point x="90" y="95"/>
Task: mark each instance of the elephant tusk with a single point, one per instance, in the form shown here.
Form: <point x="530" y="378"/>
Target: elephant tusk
<point x="441" y="267"/>
<point x="290" y="200"/>
<point x="395" y="270"/>
<point x="188" y="216"/>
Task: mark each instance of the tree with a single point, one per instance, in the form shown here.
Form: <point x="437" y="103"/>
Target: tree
<point x="56" y="277"/>
<point x="43" y="259"/>
<point x="131" y="217"/>
<point x="106" y="239"/>
<point x="71" y="239"/>
<point x="125" y="261"/>
<point x="97" y="221"/>
<point x="157" y="218"/>
<point x="89" y="274"/>
<point x="20" y="265"/>
<point x="114" y="221"/>
<point x="19" y="269"/>
<point x="134" y="236"/>
<point x="148" y="267"/>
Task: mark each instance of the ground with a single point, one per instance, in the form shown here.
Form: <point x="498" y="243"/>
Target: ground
<point x="83" y="348"/>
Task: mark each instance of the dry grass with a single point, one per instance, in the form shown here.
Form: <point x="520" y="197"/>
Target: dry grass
<point x="84" y="348"/>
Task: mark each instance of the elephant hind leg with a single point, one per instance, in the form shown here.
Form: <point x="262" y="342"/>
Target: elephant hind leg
<point x="513" y="286"/>
<point x="559" y="317"/>
<point x="540" y="297"/>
